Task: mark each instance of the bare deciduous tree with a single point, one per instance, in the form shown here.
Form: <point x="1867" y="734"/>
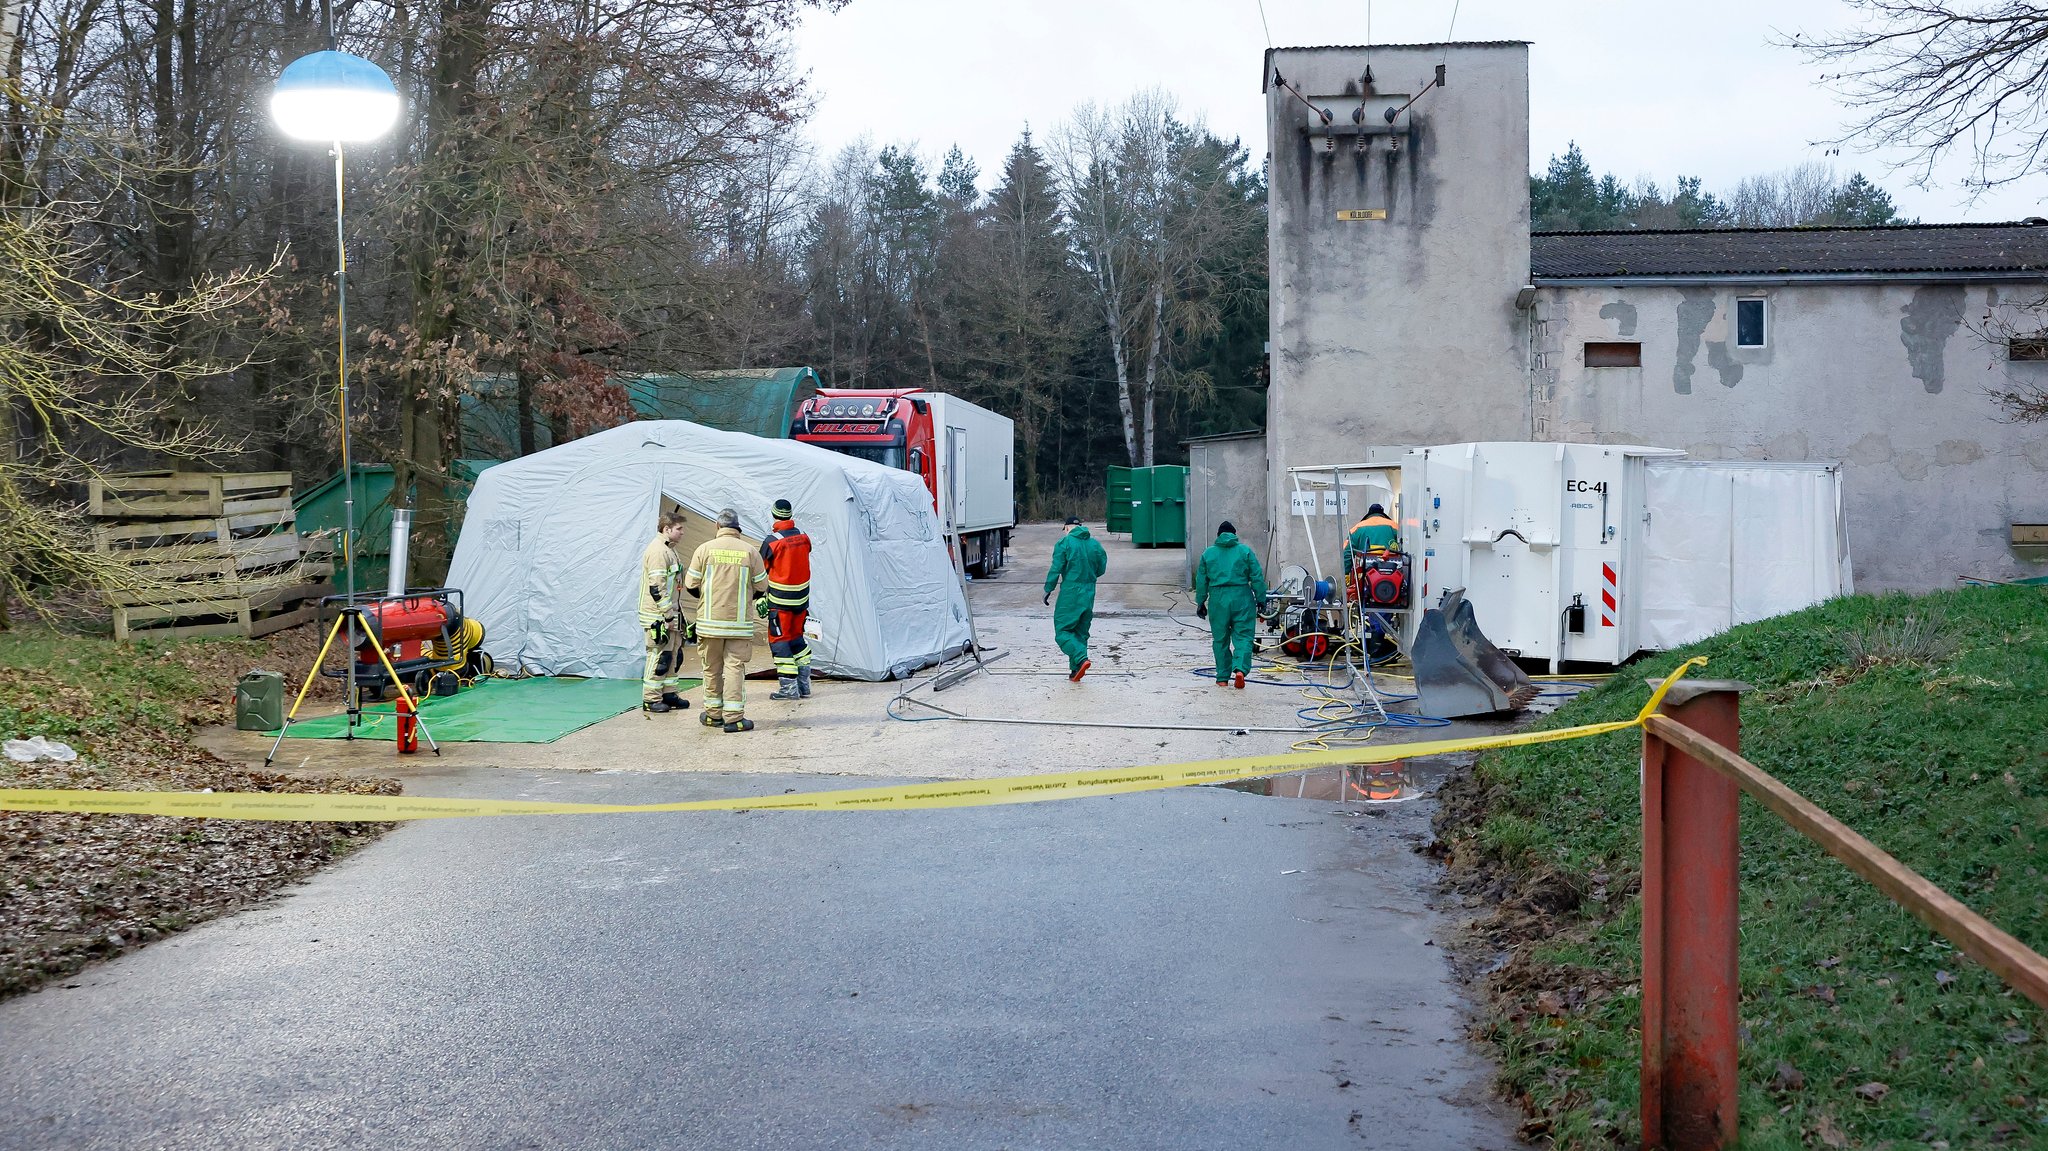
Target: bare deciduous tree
<point x="1938" y="77"/>
<point x="90" y="363"/>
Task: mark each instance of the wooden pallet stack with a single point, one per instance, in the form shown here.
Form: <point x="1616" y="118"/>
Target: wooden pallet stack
<point x="220" y="552"/>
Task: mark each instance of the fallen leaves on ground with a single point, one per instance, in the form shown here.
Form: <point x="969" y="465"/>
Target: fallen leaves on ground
<point x="76" y="888"/>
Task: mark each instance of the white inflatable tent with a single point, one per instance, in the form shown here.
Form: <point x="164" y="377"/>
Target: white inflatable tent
<point x="549" y="553"/>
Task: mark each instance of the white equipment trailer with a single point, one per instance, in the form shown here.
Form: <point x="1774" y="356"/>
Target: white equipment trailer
<point x="1589" y="552"/>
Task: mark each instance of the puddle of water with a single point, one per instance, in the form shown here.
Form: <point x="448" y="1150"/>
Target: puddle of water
<point x="1351" y="783"/>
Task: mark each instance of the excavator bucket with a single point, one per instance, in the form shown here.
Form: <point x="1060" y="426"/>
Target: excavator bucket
<point x="1458" y="671"/>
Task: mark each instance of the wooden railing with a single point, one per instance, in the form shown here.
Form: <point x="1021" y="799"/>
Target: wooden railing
<point x="1692" y="781"/>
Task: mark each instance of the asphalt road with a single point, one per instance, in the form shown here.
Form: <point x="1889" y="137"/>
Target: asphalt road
<point x="1189" y="969"/>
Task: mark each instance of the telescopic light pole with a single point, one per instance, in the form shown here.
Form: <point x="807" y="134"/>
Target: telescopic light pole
<point x="335" y="98"/>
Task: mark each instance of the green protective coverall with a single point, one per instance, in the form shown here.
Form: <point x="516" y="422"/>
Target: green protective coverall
<point x="1230" y="583"/>
<point x="1077" y="562"/>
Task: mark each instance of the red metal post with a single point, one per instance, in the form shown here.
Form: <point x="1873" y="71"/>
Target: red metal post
<point x="1690" y="990"/>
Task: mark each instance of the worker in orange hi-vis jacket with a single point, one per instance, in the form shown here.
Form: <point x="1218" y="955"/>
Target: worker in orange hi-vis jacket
<point x="787" y="552"/>
<point x="729" y="577"/>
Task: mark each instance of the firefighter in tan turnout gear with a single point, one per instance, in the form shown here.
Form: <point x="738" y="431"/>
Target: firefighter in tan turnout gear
<point x="661" y="617"/>
<point x="728" y="577"/>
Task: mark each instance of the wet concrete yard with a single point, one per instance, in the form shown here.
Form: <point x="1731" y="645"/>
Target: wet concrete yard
<point x="1194" y="968"/>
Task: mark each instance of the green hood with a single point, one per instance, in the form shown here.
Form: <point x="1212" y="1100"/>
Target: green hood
<point x="1227" y="540"/>
<point x="1079" y="531"/>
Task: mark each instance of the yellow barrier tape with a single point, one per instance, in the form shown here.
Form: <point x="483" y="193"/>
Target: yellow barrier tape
<point x="959" y="793"/>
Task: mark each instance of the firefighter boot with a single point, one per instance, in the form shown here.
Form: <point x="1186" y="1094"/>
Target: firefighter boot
<point x="785" y="688"/>
<point x="714" y="717"/>
<point x="674" y="701"/>
<point x="803" y="682"/>
<point x="736" y="723"/>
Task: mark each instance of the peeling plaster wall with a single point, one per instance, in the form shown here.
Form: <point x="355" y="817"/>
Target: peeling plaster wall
<point x="1403" y="330"/>
<point x="1889" y="379"/>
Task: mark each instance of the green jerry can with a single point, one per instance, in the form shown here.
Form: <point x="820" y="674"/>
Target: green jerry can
<point x="259" y="701"/>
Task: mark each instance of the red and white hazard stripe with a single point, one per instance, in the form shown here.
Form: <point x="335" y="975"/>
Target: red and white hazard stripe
<point x="1607" y="595"/>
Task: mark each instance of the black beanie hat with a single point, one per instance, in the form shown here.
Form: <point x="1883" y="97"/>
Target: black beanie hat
<point x="1226" y="527"/>
<point x="782" y="510"/>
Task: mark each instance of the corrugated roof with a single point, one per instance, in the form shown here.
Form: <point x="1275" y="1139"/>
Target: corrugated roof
<point x="1900" y="250"/>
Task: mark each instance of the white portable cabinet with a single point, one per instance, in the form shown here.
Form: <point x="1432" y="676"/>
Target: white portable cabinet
<point x="1531" y="530"/>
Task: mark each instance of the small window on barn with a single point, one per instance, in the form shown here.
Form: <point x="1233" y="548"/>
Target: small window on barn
<point x="1749" y="324"/>
<point x="1614" y="354"/>
<point x="2034" y="347"/>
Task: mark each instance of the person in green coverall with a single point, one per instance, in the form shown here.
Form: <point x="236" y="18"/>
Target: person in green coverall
<point x="1077" y="562"/>
<point x="1229" y="577"/>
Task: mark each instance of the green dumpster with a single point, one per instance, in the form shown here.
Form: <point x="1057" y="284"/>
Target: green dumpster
<point x="1159" y="506"/>
<point x="322" y="508"/>
<point x="1119" y="489"/>
<point x="1169" y="506"/>
<point x="1141" y="507"/>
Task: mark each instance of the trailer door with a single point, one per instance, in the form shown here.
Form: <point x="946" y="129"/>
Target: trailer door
<point x="956" y="482"/>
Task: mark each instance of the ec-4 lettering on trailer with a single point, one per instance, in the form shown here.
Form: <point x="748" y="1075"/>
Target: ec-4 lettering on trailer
<point x="1585" y="486"/>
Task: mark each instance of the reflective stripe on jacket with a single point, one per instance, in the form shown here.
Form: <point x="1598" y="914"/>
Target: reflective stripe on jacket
<point x="787" y="552"/>
<point x="730" y="574"/>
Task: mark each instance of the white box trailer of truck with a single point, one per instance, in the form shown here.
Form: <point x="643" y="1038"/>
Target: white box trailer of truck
<point x="976" y="476"/>
<point x="1591" y="552"/>
<point x="976" y="450"/>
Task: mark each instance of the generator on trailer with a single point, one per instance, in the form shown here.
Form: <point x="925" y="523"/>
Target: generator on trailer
<point x="1585" y="553"/>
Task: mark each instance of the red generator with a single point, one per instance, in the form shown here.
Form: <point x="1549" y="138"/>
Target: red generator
<point x="422" y="632"/>
<point x="1383" y="581"/>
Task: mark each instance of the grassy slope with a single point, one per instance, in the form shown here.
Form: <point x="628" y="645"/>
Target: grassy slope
<point x="84" y="688"/>
<point x="1941" y="760"/>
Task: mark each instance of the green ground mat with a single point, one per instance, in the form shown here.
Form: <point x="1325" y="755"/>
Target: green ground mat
<point x="538" y="710"/>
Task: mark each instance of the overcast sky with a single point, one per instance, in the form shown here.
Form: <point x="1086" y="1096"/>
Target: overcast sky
<point x="1645" y="88"/>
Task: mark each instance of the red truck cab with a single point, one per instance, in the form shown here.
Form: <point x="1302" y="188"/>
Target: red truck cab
<point x="888" y="426"/>
<point x="963" y="453"/>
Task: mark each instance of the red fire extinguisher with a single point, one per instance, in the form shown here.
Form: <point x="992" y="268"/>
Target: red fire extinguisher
<point x="408" y="726"/>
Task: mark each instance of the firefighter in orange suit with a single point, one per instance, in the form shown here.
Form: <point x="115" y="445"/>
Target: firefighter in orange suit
<point x="728" y="577"/>
<point x="787" y="552"/>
